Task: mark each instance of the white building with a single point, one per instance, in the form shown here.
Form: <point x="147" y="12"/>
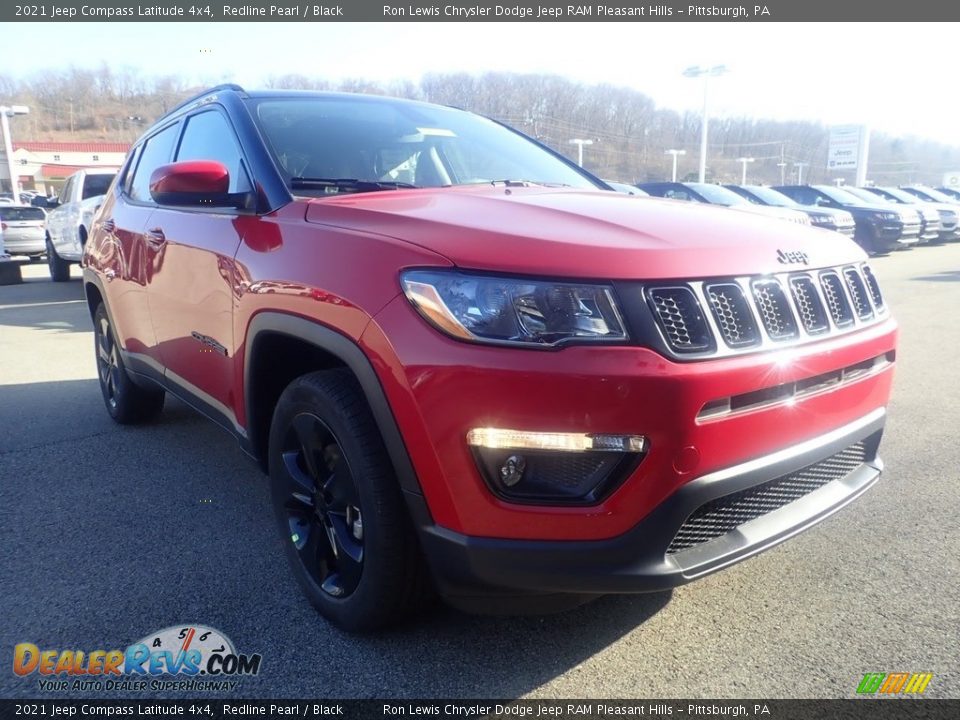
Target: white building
<point x="43" y="166"/>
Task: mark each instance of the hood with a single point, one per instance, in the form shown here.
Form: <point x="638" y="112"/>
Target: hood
<point x="581" y="234"/>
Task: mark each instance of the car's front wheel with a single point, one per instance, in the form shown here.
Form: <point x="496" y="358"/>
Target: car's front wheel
<point x="59" y="268"/>
<point x="127" y="402"/>
<point x="341" y="513"/>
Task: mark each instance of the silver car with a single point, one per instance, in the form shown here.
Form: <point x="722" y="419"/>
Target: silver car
<point x="24" y="230"/>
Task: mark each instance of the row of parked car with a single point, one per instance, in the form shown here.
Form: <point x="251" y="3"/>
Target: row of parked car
<point x="879" y="219"/>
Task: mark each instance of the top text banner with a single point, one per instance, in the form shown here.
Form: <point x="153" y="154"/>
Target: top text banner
<point x="481" y="11"/>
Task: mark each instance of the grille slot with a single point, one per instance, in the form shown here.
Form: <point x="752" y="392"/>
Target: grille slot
<point x="813" y="316"/>
<point x="732" y="314"/>
<point x="836" y="299"/>
<point x="723" y="515"/>
<point x="680" y="318"/>
<point x="873" y="286"/>
<point x="774" y="311"/>
<point x="858" y="294"/>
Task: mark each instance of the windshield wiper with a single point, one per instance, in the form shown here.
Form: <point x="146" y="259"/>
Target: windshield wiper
<point x="348" y="184"/>
<point x="526" y="183"/>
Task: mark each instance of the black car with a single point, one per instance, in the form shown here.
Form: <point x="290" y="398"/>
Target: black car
<point x="948" y="214"/>
<point x="929" y="217"/>
<point x="880" y="228"/>
<point x="821" y="217"/>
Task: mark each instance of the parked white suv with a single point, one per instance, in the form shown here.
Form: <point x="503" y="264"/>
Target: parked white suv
<point x="69" y="221"/>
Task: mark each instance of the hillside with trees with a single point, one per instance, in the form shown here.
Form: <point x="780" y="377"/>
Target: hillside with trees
<point x="630" y="133"/>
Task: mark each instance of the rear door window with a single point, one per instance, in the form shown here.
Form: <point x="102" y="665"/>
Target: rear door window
<point x="94" y="185"/>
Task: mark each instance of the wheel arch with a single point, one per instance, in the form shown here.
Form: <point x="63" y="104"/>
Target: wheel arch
<point x="323" y="348"/>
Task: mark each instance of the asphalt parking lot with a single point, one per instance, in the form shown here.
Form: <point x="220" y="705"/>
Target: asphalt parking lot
<point x="108" y="533"/>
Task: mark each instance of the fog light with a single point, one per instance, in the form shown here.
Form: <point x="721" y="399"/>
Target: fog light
<point x="512" y="470"/>
<point x="555" y="468"/>
<point x="497" y="438"/>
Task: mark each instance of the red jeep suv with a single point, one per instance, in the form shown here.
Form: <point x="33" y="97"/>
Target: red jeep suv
<point x="468" y="366"/>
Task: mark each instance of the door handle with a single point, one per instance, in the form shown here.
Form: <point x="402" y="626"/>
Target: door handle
<point x="155" y="238"/>
<point x="109" y="225"/>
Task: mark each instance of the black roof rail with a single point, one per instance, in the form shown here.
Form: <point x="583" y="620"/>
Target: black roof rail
<point x="201" y="95"/>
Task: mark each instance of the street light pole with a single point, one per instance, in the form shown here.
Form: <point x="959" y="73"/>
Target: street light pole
<point x="5" y="114"/>
<point x="783" y="172"/>
<point x="706" y="74"/>
<point x="743" y="162"/>
<point x="800" y="166"/>
<point x="675" y="153"/>
<point x="580" y="142"/>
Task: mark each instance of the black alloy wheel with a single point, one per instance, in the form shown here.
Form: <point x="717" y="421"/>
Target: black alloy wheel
<point x="323" y="506"/>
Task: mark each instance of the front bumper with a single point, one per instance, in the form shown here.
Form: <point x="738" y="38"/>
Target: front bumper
<point x="473" y="571"/>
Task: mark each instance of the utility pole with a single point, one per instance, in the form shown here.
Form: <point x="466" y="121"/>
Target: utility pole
<point x="580" y="142"/>
<point x="71" y="117"/>
<point x="706" y="73"/>
<point x="5" y="114"/>
<point x="675" y="153"/>
<point x="783" y="167"/>
<point x="744" y="161"/>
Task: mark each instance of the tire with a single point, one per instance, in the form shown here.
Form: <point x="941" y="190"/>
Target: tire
<point x="127" y="402"/>
<point x="341" y="513"/>
<point x="59" y="268"/>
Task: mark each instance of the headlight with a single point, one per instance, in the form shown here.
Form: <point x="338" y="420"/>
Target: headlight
<point x="509" y="310"/>
<point x="888" y="216"/>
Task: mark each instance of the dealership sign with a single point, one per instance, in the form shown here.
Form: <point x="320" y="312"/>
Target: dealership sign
<point x="844" y="150"/>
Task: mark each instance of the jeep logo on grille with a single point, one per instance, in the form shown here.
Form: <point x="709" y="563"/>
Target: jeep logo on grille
<point x="792" y="256"/>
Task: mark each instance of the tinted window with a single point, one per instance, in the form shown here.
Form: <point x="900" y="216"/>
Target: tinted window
<point x="94" y="185"/>
<point x="156" y="152"/>
<point x="386" y="141"/>
<point x="14" y="214"/>
<point x="209" y="137"/>
<point x="718" y="195"/>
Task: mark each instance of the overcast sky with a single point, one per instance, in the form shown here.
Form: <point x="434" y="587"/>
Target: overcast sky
<point x="899" y="78"/>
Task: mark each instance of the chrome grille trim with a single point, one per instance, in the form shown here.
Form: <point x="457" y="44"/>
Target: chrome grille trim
<point x="720" y="346"/>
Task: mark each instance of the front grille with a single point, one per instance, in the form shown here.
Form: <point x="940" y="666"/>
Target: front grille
<point x="725" y="514"/>
<point x="836" y="299"/>
<point x="813" y="316"/>
<point x="679" y="316"/>
<point x="732" y="314"/>
<point x="874" y="287"/>
<point x="858" y="294"/>
<point x="774" y="310"/>
<point x="727" y="316"/>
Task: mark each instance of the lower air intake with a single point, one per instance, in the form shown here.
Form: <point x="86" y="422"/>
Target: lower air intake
<point x="723" y="515"/>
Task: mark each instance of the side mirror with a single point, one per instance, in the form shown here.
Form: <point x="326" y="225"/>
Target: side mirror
<point x="193" y="183"/>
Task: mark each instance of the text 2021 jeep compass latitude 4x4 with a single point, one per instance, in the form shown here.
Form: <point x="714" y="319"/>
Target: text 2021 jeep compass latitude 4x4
<point x="466" y="367"/>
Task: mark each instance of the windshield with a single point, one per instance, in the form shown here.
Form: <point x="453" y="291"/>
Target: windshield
<point x="935" y="195"/>
<point x="901" y="196"/>
<point x="771" y="196"/>
<point x="841" y="196"/>
<point x="866" y="195"/>
<point x="382" y="144"/>
<point x="718" y="195"/>
<point x="20" y="214"/>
